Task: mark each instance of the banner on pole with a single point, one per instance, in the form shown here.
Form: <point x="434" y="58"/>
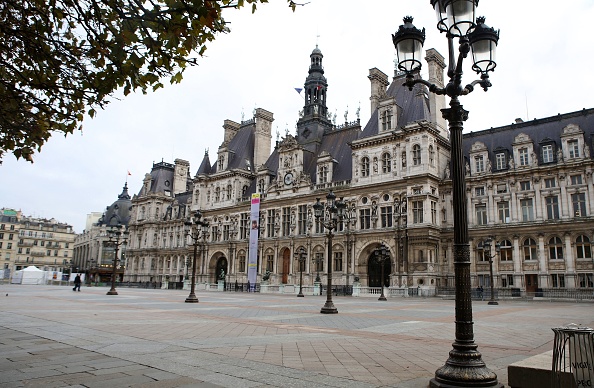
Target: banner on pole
<point x="253" y="254"/>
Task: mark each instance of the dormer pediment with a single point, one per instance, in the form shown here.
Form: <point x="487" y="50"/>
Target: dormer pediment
<point x="522" y="138"/>
<point x="478" y="146"/>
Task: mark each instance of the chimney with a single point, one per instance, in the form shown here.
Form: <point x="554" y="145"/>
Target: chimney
<point x="436" y="64"/>
<point x="379" y="82"/>
<point x="262" y="137"/>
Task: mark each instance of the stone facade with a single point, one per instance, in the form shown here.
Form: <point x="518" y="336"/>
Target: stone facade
<point x="529" y="188"/>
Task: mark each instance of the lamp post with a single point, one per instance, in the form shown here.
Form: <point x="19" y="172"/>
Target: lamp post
<point x="381" y="255"/>
<point x="301" y="256"/>
<point x="117" y="239"/>
<point x="487" y="253"/>
<point x="194" y="227"/>
<point x="400" y="210"/>
<point x="329" y="215"/>
<point x="317" y="260"/>
<point x="456" y="18"/>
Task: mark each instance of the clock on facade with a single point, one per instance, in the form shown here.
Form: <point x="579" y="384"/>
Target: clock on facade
<point x="288" y="178"/>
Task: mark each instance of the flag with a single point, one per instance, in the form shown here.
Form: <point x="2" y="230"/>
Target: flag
<point x="129" y="172"/>
<point x="298" y="90"/>
<point x="319" y="87"/>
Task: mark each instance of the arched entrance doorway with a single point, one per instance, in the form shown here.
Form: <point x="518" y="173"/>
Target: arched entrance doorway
<point x="221" y="269"/>
<point x="374" y="271"/>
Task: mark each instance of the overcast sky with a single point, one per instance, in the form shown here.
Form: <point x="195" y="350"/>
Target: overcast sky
<point x="543" y="63"/>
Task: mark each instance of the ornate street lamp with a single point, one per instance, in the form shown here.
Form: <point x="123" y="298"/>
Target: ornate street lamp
<point x="487" y="253"/>
<point x="381" y="255"/>
<point x="464" y="367"/>
<point x="117" y="239"/>
<point x="329" y="215"/>
<point x="317" y="260"/>
<point x="301" y="255"/>
<point x="195" y="227"/>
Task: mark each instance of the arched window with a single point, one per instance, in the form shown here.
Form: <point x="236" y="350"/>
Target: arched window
<point x="386" y="162"/>
<point x="583" y="247"/>
<point x="529" y="249"/>
<point x="261" y="186"/>
<point x="416" y="154"/>
<point x="217" y="194"/>
<point x="506" y="250"/>
<point x="365" y="166"/>
<point x="555" y="249"/>
<point x="229" y="192"/>
<point x="431" y="155"/>
<point x="403" y="159"/>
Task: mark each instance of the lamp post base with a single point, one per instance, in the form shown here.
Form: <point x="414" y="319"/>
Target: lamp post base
<point x="464" y="369"/>
<point x="112" y="292"/>
<point x="382" y="298"/>
<point x="300" y="295"/>
<point x="192" y="299"/>
<point x="329" y="309"/>
<point x="493" y="303"/>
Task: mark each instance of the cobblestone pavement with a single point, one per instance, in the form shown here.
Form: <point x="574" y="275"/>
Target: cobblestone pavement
<point x="53" y="337"/>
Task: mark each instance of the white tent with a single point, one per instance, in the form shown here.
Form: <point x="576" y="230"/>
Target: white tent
<point x="29" y="275"/>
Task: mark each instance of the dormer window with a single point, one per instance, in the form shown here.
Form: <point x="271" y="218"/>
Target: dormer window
<point x="221" y="162"/>
<point x="479" y="163"/>
<point x="573" y="149"/>
<point x="500" y="161"/>
<point x="261" y="186"/>
<point x="387" y="120"/>
<point x="323" y="174"/>
<point x="548" y="153"/>
<point x="523" y="155"/>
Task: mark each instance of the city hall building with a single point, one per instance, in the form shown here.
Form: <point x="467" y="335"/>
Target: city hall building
<point x="529" y="189"/>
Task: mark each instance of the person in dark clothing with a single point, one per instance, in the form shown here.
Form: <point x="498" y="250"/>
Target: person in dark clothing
<point x="76" y="283"/>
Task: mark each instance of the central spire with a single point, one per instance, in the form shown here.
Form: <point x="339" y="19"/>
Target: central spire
<point x="315" y="87"/>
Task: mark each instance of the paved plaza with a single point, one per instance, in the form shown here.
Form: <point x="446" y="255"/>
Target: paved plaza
<point x="53" y="337"/>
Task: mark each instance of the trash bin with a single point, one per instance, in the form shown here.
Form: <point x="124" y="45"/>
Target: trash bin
<point x="573" y="351"/>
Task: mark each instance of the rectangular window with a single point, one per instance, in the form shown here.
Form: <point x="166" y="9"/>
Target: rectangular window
<point x="479" y="163"/>
<point x="270" y="222"/>
<point x="503" y="212"/>
<point x="214" y="234"/>
<point x="386" y="213"/>
<point x="576" y="179"/>
<point x="552" y="207"/>
<point x="226" y="236"/>
<point x="302" y="219"/>
<point x="550" y="183"/>
<point x="337" y="261"/>
<point x="319" y="262"/>
<point x="507" y="280"/>
<point x="286" y="225"/>
<point x="479" y="191"/>
<point x="525" y="185"/>
<point x="527" y="209"/>
<point x="500" y="161"/>
<point x="244" y="222"/>
<point x="547" y="153"/>
<point x="418" y="212"/>
<point x="10" y="236"/>
<point x="558" y="280"/>
<point x="579" y="204"/>
<point x="9" y="246"/>
<point x="241" y="263"/>
<point x="365" y="219"/>
<point x="585" y="280"/>
<point x="573" y="148"/>
<point x="433" y="212"/>
<point x="481" y="214"/>
<point x="523" y="155"/>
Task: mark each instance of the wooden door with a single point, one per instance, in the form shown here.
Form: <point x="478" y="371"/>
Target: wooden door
<point x="286" y="265"/>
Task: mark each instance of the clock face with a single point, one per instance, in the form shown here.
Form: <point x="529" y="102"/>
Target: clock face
<point x="288" y="179"/>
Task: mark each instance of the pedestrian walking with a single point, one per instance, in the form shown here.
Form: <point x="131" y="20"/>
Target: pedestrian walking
<point x="76" y="283"/>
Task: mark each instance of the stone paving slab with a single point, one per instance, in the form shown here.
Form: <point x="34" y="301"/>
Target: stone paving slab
<point x="151" y="338"/>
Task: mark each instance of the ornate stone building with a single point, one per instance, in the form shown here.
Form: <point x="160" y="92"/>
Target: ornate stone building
<point x="529" y="188"/>
<point x="93" y="252"/>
